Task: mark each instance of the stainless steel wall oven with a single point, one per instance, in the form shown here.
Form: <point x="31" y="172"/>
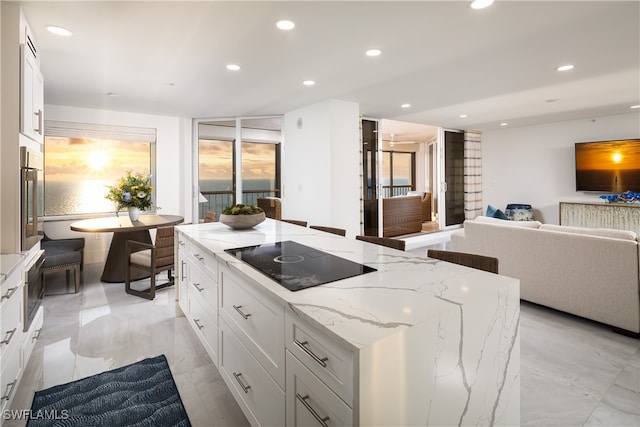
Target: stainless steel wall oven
<point x="31" y="197"/>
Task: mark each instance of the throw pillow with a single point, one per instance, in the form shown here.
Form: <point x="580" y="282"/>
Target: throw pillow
<point x="496" y="213"/>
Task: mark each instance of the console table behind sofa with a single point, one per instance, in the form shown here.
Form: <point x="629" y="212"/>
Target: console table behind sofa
<point x="601" y="215"/>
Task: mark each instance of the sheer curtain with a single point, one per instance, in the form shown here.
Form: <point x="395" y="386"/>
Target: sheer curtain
<point x="472" y="175"/>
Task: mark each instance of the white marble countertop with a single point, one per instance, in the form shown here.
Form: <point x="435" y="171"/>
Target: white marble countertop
<point x="7" y="264"/>
<point x="406" y="290"/>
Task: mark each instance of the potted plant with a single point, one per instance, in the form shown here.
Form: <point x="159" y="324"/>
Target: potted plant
<point x="242" y="216"/>
<point x="132" y="192"/>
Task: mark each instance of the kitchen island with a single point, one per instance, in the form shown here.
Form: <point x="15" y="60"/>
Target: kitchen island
<point x="416" y="342"/>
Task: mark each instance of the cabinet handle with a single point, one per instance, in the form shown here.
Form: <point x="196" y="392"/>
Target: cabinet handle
<point x="181" y="242"/>
<point x="303" y="400"/>
<point x="197" y="286"/>
<point x="39" y="115"/>
<point x="200" y="258"/>
<point x="197" y="322"/>
<point x="36" y="335"/>
<point x="303" y="345"/>
<point x="9" y="293"/>
<point x="244" y="315"/>
<point x="9" y="336"/>
<point x="182" y="276"/>
<point x="245" y="388"/>
<point x="10" y="387"/>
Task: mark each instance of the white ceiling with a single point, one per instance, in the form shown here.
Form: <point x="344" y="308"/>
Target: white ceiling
<point x="444" y="58"/>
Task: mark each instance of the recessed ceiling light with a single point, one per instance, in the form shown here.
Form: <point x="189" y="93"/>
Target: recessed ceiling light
<point x="285" y="25"/>
<point x="405" y="106"/>
<point x="565" y="67"/>
<point x="462" y="116"/>
<point x="635" y="106"/>
<point x="504" y="124"/>
<point x="59" y="31"/>
<point x="233" y="67"/>
<point x="373" y="52"/>
<point x="308" y="82"/>
<point x="481" y="4"/>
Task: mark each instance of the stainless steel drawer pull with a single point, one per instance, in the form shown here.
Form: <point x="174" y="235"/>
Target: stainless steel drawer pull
<point x="244" y="315"/>
<point x="303" y="400"/>
<point x="303" y="345"/>
<point x="9" y="336"/>
<point x="9" y="293"/>
<point x="36" y="335"/>
<point x="181" y="242"/>
<point x="197" y="286"/>
<point x="245" y="388"/>
<point x="182" y="275"/>
<point x="10" y="387"/>
<point x="197" y="322"/>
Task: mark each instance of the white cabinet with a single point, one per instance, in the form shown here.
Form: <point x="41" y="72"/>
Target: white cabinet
<point x="11" y="335"/>
<point x="31" y="96"/>
<point x="198" y="292"/>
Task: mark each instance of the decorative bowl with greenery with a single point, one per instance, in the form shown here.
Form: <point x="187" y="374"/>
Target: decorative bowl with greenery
<point x="242" y="216"/>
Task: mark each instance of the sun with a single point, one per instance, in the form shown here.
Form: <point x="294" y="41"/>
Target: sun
<point x="617" y="157"/>
<point x="97" y="160"/>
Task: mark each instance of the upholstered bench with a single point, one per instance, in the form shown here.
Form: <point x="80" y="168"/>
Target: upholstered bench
<point x="63" y="255"/>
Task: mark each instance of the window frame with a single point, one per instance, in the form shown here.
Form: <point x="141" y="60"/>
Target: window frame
<point x="67" y="129"/>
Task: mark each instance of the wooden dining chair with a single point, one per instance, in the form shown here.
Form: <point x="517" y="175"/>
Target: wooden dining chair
<point x="210" y="216"/>
<point x="295" y="221"/>
<point x="152" y="258"/>
<point x="384" y="241"/>
<point x="333" y="230"/>
<point x="271" y="206"/>
<point x="479" y="262"/>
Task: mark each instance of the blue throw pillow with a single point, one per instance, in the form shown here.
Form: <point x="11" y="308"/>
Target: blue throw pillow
<point x="495" y="213"/>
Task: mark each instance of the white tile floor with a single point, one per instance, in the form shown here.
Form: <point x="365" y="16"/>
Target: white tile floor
<point x="573" y="372"/>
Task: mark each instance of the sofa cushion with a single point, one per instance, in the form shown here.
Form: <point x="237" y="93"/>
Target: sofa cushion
<point x="524" y="224"/>
<point x="496" y="213"/>
<point x="599" y="232"/>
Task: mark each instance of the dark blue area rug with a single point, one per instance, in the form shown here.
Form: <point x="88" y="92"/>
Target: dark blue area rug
<point x="140" y="394"/>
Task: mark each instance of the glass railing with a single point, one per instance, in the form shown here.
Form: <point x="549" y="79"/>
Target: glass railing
<point x="218" y="200"/>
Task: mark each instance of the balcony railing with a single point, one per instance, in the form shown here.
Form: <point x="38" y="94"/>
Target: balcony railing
<point x="218" y="200"/>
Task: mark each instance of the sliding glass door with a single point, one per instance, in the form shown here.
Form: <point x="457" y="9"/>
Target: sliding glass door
<point x="370" y="177"/>
<point x="453" y="177"/>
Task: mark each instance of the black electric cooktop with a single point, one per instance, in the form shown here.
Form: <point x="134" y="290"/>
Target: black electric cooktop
<point x="297" y="266"/>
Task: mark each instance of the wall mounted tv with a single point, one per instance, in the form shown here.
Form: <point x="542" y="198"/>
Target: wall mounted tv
<point x="608" y="166"/>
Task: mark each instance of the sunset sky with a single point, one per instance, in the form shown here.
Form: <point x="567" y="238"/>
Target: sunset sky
<point x="617" y="155"/>
<point x="215" y="160"/>
<point x="70" y="159"/>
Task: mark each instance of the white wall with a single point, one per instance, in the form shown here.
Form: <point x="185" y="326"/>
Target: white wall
<point x="536" y="165"/>
<point x="172" y="145"/>
<point x="320" y="165"/>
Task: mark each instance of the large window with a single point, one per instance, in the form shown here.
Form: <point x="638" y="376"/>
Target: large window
<point x="236" y="156"/>
<point x="82" y="160"/>
<point x="398" y="172"/>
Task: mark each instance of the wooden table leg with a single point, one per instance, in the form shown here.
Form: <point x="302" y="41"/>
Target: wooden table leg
<point x="116" y="263"/>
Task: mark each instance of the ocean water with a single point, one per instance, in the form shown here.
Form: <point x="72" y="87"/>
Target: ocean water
<point x="87" y="196"/>
<point x="74" y="197"/>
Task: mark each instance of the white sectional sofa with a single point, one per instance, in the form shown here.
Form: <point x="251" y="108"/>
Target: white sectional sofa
<point x="592" y="273"/>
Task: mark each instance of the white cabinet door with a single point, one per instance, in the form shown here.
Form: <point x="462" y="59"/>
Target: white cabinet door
<point x="310" y="402"/>
<point x="31" y="98"/>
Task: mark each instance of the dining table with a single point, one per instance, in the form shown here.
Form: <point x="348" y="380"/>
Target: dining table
<point x="124" y="229"/>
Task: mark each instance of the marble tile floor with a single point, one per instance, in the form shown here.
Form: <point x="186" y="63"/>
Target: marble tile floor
<point x="573" y="372"/>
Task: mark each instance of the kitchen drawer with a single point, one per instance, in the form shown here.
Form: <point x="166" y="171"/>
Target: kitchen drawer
<point x="32" y="336"/>
<point x="12" y="283"/>
<point x="329" y="360"/>
<point x="310" y="402"/>
<point x="204" y="287"/>
<point x="11" y="372"/>
<point x="257" y="319"/>
<point x="205" y="260"/>
<point x="206" y="325"/>
<point x="260" y="398"/>
<point x="11" y="321"/>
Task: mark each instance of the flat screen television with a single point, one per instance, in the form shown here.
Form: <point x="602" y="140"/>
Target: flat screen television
<point x="608" y="166"/>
